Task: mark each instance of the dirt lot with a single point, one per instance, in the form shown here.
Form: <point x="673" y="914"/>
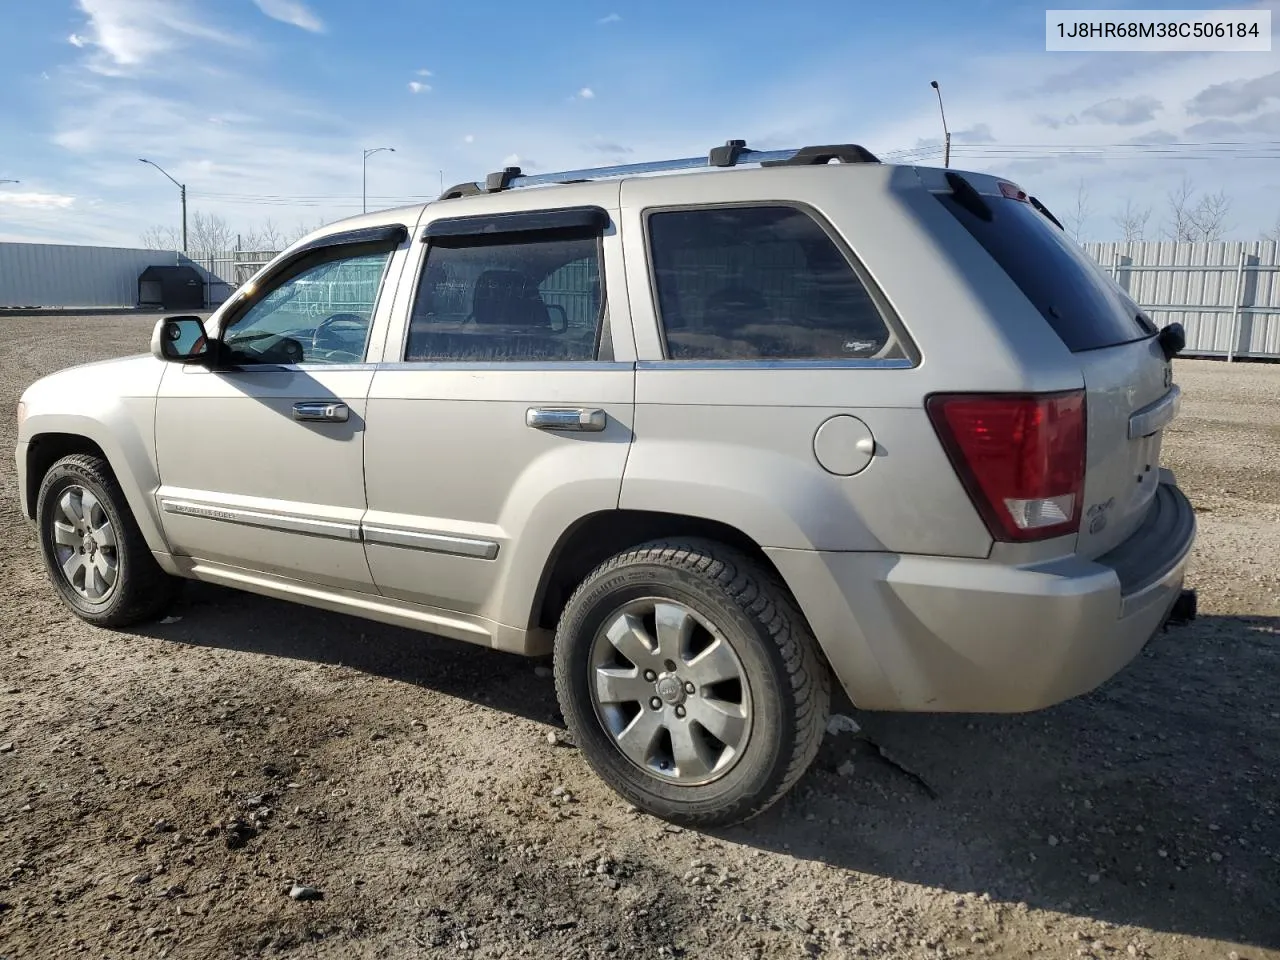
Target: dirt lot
<point x="166" y="787"/>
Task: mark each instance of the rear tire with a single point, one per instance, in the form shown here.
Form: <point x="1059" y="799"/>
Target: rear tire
<point x="691" y="683"/>
<point x="93" y="550"/>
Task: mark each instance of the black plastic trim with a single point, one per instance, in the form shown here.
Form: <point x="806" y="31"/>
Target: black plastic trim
<point x="1158" y="545"/>
<point x="391" y="233"/>
<point x="820" y="155"/>
<point x="1045" y="210"/>
<point x="459" y="190"/>
<point x="1172" y="340"/>
<point x="499" y="181"/>
<point x="967" y="196"/>
<point x="593" y="219"/>
<point x="727" y="156"/>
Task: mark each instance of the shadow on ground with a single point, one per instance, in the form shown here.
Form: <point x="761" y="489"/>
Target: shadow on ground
<point x="1152" y="802"/>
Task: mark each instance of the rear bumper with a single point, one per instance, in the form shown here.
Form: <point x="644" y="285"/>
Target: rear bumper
<point x="945" y="634"/>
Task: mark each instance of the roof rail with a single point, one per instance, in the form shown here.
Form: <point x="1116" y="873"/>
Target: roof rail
<point x="732" y="154"/>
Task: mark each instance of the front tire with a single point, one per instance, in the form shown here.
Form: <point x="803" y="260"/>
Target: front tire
<point x="96" y="556"/>
<point x="690" y="682"/>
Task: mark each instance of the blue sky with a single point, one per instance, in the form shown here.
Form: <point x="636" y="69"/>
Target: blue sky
<point x="263" y="106"/>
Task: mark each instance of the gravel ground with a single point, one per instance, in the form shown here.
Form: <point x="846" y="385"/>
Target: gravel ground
<point x="253" y="779"/>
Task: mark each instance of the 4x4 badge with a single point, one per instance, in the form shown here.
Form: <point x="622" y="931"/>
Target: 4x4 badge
<point x="1168" y="375"/>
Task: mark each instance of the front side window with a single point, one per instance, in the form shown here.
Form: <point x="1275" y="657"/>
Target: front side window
<point x="508" y="299"/>
<point x="759" y="283"/>
<point x="320" y="313"/>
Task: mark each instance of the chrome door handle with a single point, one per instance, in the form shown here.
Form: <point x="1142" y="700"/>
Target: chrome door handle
<point x="576" y="419"/>
<point x="321" y="411"/>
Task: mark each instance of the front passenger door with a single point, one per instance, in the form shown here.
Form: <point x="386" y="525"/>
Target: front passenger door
<point x="261" y="458"/>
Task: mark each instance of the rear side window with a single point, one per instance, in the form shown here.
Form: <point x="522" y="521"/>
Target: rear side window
<point x="759" y="283"/>
<point x="1079" y="301"/>
<point x="509" y="299"/>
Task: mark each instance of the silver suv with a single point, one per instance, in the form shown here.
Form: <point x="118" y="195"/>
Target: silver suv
<point x="711" y="438"/>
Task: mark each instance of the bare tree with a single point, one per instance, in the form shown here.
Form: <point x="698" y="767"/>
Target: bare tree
<point x="302" y="229"/>
<point x="161" y="238"/>
<point x="265" y="236"/>
<point x="1209" y="216"/>
<point x="1274" y="233"/>
<point x="1080" y="213"/>
<point x="1181" y="226"/>
<point x="210" y="233"/>
<point x="1196" y="220"/>
<point x="1132" y="221"/>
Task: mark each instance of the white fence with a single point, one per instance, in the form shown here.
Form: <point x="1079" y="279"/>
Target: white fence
<point x="1226" y="295"/>
<point x="229" y="269"/>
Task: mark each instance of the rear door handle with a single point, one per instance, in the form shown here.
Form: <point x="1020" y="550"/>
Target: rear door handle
<point x="566" y="419"/>
<point x="321" y="411"/>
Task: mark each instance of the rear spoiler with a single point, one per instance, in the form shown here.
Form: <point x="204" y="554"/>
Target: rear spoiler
<point x="972" y="190"/>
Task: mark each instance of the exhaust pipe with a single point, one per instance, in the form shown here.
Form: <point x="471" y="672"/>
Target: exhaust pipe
<point x="1184" y="609"/>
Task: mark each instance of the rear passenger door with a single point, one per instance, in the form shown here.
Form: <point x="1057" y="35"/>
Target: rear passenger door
<point x="503" y="411"/>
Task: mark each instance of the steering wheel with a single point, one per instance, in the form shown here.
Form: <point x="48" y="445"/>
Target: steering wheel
<point x="333" y="346"/>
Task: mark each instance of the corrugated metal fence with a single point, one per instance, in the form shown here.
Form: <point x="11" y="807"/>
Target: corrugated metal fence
<point x="54" y="275"/>
<point x="61" y="275"/>
<point x="1226" y="295"/>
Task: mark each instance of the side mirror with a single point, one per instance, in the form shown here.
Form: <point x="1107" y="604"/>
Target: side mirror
<point x="179" y="340"/>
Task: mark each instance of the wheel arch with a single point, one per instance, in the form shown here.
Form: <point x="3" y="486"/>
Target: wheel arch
<point x="43" y="451"/>
<point x="594" y="538"/>
<point x="49" y="442"/>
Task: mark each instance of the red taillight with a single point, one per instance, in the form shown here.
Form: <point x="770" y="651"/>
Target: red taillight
<point x="1013" y="192"/>
<point x="1020" y="456"/>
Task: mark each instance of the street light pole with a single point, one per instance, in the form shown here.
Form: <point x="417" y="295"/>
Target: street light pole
<point x="182" y="189"/>
<point x="946" y="134"/>
<point x="364" y="175"/>
<point x="10" y="181"/>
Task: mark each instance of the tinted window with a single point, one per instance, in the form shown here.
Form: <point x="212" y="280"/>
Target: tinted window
<point x="319" y="313"/>
<point x="508" y="300"/>
<point x="1081" y="303"/>
<point x="747" y="283"/>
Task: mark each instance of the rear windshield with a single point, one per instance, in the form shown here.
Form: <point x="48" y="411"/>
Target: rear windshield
<point x="1080" y="302"/>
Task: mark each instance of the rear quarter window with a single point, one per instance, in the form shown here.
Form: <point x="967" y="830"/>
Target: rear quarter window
<point x="1083" y="306"/>
<point x="760" y="283"/>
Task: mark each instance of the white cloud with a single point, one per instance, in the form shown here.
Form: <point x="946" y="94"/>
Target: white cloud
<point x="292" y="12"/>
<point x="39" y="201"/>
<point x="289" y="155"/>
<point x="424" y="73"/>
<point x="524" y="163"/>
<point x="610" y="147"/>
<point x="1123" y="112"/>
<point x="1235" y="97"/>
<point x="416" y="87"/>
<point x="586" y="93"/>
<point x="611" y="18"/>
<point x="126" y="34"/>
